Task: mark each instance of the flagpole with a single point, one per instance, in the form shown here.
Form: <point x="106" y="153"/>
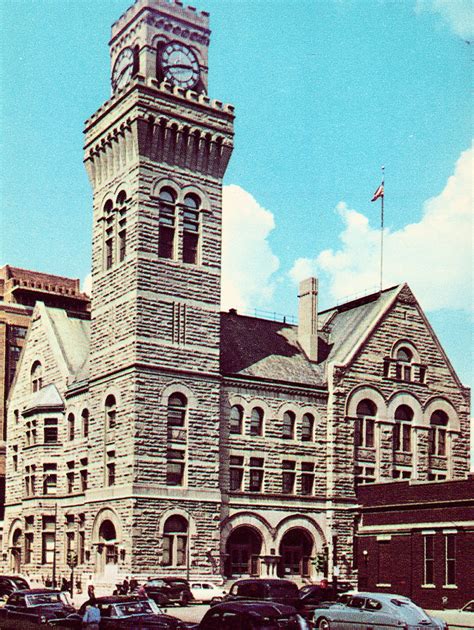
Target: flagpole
<point x="381" y="228"/>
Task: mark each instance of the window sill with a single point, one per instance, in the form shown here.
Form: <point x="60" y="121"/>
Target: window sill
<point x="428" y="586"/>
<point x="450" y="586"/>
<point x="383" y="585"/>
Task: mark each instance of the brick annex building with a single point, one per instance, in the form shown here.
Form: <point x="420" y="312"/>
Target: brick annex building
<point x="166" y="437"/>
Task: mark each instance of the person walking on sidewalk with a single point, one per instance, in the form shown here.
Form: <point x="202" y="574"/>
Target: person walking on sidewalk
<point x="91" y="618"/>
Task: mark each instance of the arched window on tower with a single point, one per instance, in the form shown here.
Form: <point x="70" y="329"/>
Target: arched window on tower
<point x="108" y="234"/>
<point x="85" y="422"/>
<point x="177" y="439"/>
<point x="167" y="218"/>
<point x="110" y="412"/>
<point x="288" y="425"/>
<point x="36" y="376"/>
<point x="175" y="542"/>
<point x="191" y="228"/>
<point x="256" y="421"/>
<point x="71" y="425"/>
<point x="402" y="429"/>
<point x="365" y="423"/>
<point x="122" y="225"/>
<point x="236" y="418"/>
<point x="307" y="428"/>
<point x="437" y="435"/>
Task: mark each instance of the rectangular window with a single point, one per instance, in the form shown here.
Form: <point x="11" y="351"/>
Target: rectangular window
<point x="288" y="476"/>
<point x="84" y="474"/>
<point x="369" y="432"/>
<point x="450" y="553"/>
<point x="384" y="564"/>
<point x="28" y="547"/>
<point x="50" y="430"/>
<point x="441" y="442"/>
<point x="406" y="438"/>
<point x="236" y="473"/>
<point x="15" y="458"/>
<point x="428" y="559"/>
<point x="122" y="244"/>
<point x="364" y="474"/>
<point x="48" y="540"/>
<point x="307" y="478"/>
<point x="256" y="474"/>
<point x="166" y="242"/>
<point x="111" y="468"/>
<point x="70" y="478"/>
<point x="81" y="546"/>
<point x="50" y="478"/>
<point x="175" y="467"/>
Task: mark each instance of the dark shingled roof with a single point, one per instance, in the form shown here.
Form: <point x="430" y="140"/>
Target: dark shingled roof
<point x="269" y="350"/>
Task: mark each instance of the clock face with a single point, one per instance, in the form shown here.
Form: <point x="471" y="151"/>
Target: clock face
<point x="180" y="65"/>
<point x="123" y="68"/>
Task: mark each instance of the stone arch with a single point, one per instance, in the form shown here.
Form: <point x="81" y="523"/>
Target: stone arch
<point x="111" y="391"/>
<point x="361" y="392"/>
<point x="106" y="514"/>
<point x="251" y="520"/>
<point x="303" y="409"/>
<point x="199" y="192"/>
<point x="179" y="388"/>
<point x="300" y="521"/>
<point x="406" y="398"/>
<point x="192" y="529"/>
<point x="405" y="343"/>
<point x="443" y="404"/>
<point x="167" y="182"/>
<point x="251" y="404"/>
<point x="15" y="545"/>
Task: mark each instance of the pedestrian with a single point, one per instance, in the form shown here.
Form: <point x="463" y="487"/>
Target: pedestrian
<point x="133" y="584"/>
<point x="91" y="594"/>
<point x="64" y="585"/>
<point x="91" y="618"/>
<point x="125" y="585"/>
<point x="141" y="591"/>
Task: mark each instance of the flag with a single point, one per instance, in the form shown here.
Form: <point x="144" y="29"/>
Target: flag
<point x="378" y="193"/>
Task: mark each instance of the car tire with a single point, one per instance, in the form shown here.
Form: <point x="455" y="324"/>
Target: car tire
<point x="183" y="600"/>
<point x="323" y="624"/>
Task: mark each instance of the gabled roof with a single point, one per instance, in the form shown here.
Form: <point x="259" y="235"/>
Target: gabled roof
<point x="72" y="336"/>
<point x="44" y="399"/>
<point x="259" y="348"/>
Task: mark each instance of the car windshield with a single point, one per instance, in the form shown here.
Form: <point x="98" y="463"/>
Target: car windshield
<point x="139" y="607"/>
<point x="155" y="583"/>
<point x="282" y="590"/>
<point x="43" y="599"/>
<point x="295" y="622"/>
<point x="469" y="607"/>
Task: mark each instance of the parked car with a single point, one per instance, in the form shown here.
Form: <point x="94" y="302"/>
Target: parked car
<point x="252" y="616"/>
<point x="124" y="611"/>
<point x="11" y="583"/>
<point x="206" y="592"/>
<point x="165" y="591"/>
<point x="312" y="595"/>
<point x="264" y="589"/>
<point x="460" y="618"/>
<point x="378" y="611"/>
<point x="29" y="608"/>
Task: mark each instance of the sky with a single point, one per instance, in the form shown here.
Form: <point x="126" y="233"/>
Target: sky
<point x="326" y="93"/>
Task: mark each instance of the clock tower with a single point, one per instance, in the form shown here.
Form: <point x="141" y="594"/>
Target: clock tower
<point x="156" y="154"/>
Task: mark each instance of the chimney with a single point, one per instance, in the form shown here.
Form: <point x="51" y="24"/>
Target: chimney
<point x="308" y="317"/>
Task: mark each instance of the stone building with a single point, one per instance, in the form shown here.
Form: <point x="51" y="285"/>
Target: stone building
<point x="167" y="437"/>
<point x="20" y="289"/>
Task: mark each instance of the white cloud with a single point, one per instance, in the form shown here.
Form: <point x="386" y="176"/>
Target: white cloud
<point x="434" y="255"/>
<point x="457" y="13"/>
<point x="247" y="259"/>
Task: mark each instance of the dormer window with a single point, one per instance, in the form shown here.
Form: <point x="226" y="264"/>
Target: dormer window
<point x="36" y="376"/>
<point x="404" y="367"/>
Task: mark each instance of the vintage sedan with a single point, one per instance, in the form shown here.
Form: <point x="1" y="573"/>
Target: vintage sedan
<point x="378" y="611"/>
<point x="240" y="615"/>
<point x="206" y="592"/>
<point x="461" y="618"/>
<point x="33" y="607"/>
<point x="127" y="612"/>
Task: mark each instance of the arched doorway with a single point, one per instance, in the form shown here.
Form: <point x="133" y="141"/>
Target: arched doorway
<point x="16" y="550"/>
<point x="243" y="550"/>
<point x="295" y="551"/>
<point x="107" y="560"/>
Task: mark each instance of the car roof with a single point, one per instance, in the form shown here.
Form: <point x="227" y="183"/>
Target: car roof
<point x="264" y="581"/>
<point x="267" y="609"/>
<point x="37" y="591"/>
<point x="12" y="577"/>
<point x="118" y="599"/>
<point x="381" y="596"/>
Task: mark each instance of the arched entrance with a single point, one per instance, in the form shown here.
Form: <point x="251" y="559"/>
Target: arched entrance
<point x="16" y="550"/>
<point x="295" y="551"/>
<point x="107" y="550"/>
<point x="243" y="549"/>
